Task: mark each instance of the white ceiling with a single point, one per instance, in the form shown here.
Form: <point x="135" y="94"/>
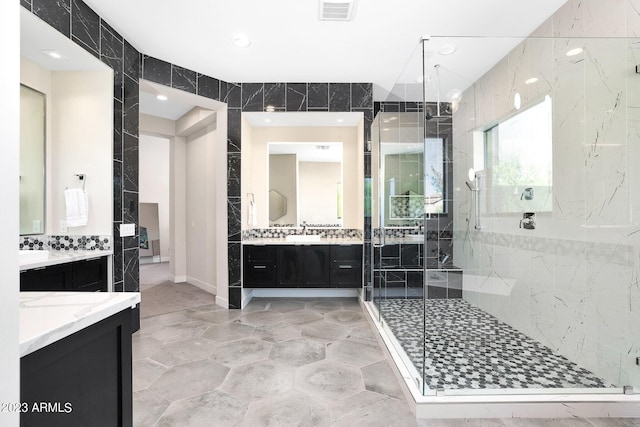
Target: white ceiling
<point x="290" y="43"/>
<point x="36" y="37"/>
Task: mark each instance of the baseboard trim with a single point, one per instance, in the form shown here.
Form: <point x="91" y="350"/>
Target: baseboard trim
<point x="301" y="293"/>
<point x="178" y="279"/>
<point x="202" y="285"/>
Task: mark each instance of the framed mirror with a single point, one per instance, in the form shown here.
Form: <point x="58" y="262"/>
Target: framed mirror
<point x="32" y="161"/>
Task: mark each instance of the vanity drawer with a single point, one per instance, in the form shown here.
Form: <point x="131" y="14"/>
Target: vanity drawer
<point x="259" y="269"/>
<point x="346" y="274"/>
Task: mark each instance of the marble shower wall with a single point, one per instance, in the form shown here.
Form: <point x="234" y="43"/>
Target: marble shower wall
<point x="82" y="25"/>
<point x="573" y="283"/>
<point x="241" y="97"/>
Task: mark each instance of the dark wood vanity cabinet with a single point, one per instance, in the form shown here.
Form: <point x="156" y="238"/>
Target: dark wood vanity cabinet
<point x="302" y="266"/>
<point x="83" y="276"/>
<point x="346" y="266"/>
<point x="86" y="374"/>
<point x="260" y="266"/>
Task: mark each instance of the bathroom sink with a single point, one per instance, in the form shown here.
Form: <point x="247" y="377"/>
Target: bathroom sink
<point x="300" y="238"/>
<point x="32" y="256"/>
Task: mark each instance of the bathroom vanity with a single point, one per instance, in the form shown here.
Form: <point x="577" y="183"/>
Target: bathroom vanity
<point x="277" y="263"/>
<point x="81" y="271"/>
<point x="75" y="366"/>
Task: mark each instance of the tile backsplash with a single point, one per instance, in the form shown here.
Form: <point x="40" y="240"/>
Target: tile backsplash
<point x="64" y="243"/>
<point x="282" y="232"/>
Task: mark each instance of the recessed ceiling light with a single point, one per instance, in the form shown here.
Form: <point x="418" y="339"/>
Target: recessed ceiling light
<point x="267" y="120"/>
<point x="386" y="129"/>
<point x="517" y="101"/>
<point x="270" y="109"/>
<point x="51" y="53"/>
<point x="574" y="52"/>
<point x="531" y="80"/>
<point x="241" y="40"/>
<point x="340" y="120"/>
<point x="447" y="49"/>
<point x="392" y="118"/>
<point x="161" y="97"/>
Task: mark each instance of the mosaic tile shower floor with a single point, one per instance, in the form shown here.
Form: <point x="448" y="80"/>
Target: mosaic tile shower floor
<point x="467" y="348"/>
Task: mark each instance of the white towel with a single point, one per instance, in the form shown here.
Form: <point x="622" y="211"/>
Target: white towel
<point x="253" y="218"/>
<point x="77" y="205"/>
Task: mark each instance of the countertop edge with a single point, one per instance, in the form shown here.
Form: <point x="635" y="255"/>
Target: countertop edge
<point x="63" y="257"/>
<point x="328" y="242"/>
<point x="86" y="309"/>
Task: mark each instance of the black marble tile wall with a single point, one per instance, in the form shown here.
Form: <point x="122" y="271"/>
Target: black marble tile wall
<point x="132" y="62"/>
<point x="208" y="87"/>
<point x="231" y="93"/>
<point x="156" y="70"/>
<point x="117" y="129"/>
<point x="296" y="97"/>
<point x="117" y="191"/>
<point x="253" y="97"/>
<point x="130" y="163"/>
<point x="339" y="97"/>
<point x="112" y="53"/>
<point x="275" y="96"/>
<point x="183" y="79"/>
<point x="55" y="13"/>
<point x="80" y="23"/>
<point x="131" y="108"/>
<point x="318" y="96"/>
<point x="85" y="26"/>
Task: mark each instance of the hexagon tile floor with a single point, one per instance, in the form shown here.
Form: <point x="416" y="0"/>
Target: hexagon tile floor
<point x="280" y="362"/>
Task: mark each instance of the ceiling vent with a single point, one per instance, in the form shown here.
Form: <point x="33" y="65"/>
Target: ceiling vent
<point x="337" y="10"/>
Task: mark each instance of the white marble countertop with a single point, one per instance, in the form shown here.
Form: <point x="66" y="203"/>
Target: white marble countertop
<point x="46" y="317"/>
<point x="36" y="259"/>
<point x="322" y="241"/>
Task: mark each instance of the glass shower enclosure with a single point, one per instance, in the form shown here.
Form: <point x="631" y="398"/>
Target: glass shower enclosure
<point x="503" y="226"/>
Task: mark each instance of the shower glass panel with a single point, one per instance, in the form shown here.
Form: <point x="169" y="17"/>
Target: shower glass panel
<point x="505" y="230"/>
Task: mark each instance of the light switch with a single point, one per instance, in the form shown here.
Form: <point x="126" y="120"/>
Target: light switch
<point x="127" y="230"/>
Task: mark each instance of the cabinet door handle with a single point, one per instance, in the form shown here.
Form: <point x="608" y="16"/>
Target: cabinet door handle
<point x="345" y="267"/>
<point x="259" y="267"/>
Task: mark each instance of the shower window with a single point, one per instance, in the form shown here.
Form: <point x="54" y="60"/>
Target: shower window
<point x="518" y="161"/>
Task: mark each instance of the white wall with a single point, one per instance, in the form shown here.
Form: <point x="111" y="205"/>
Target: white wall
<point x="572" y="282"/>
<point x="79" y="138"/>
<point x="154" y="183"/>
<point x="256" y="159"/>
<point x="9" y="161"/>
<point x="319" y="197"/>
<point x="82" y="143"/>
<point x="201" y="209"/>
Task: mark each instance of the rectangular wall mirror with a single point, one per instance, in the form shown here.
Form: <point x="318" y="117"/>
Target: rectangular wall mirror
<point x="302" y="168"/>
<point x="32" y="161"/>
<point x="305" y="184"/>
